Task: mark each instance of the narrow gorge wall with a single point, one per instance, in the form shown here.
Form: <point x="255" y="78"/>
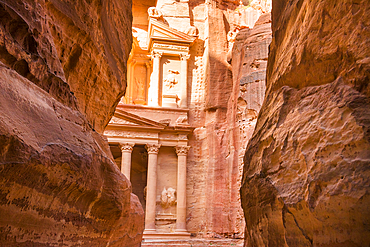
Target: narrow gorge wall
<point x="62" y="72"/>
<point x="307" y="166"/>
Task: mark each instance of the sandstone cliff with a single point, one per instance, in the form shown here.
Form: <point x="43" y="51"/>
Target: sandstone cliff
<point x="249" y="62"/>
<point x="62" y="71"/>
<point x="307" y="167"/>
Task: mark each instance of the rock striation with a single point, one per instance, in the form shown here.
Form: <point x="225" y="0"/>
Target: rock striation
<point x="62" y="72"/>
<point x="306" y="169"/>
<point x="249" y="62"/>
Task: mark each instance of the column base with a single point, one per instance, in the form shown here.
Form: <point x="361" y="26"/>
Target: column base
<point x="164" y="235"/>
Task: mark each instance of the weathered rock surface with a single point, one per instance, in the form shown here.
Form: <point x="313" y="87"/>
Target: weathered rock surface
<point x="307" y="167"/>
<point x="62" y="71"/>
<point x="249" y="62"/>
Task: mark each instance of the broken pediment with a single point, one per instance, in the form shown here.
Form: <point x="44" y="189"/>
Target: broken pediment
<point x="159" y="31"/>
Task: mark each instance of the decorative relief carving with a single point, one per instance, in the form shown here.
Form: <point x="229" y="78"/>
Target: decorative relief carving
<point x="171" y="47"/>
<point x="126" y="147"/>
<point x="183" y="137"/>
<point x="171" y="79"/>
<point x="168" y="197"/>
<point x="184" y="57"/>
<point x="153" y="12"/>
<point x="130" y="134"/>
<point x="116" y="120"/>
<point x="192" y="31"/>
<point x="156" y="54"/>
<point x="182" y="150"/>
<point x="152" y="148"/>
<point x="182" y="120"/>
<point x="140" y="88"/>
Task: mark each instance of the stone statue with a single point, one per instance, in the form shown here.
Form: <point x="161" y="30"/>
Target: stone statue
<point x="171" y="79"/>
<point x="140" y="94"/>
<point x="168" y="197"/>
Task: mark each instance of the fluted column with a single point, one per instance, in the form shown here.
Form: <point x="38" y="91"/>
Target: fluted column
<point x="153" y="93"/>
<point x="151" y="187"/>
<point x="184" y="80"/>
<point x="182" y="152"/>
<point x="126" y="149"/>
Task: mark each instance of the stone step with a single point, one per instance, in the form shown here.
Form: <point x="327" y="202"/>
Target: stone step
<point x="193" y="243"/>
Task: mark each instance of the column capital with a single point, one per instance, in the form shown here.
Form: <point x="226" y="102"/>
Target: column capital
<point x="156" y="54"/>
<point x="152" y="148"/>
<point x="184" y="57"/>
<point x="182" y="150"/>
<point x="148" y="64"/>
<point x="126" y="147"/>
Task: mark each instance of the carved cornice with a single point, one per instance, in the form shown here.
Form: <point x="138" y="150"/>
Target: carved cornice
<point x="152" y="148"/>
<point x="126" y="147"/>
<point x="182" y="150"/>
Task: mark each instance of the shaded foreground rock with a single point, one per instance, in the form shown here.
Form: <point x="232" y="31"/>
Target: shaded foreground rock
<point x="62" y="72"/>
<point x="307" y="167"/>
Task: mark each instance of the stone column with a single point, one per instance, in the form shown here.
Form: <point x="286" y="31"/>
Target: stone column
<point x="182" y="152"/>
<point x="151" y="188"/>
<point x="130" y="81"/>
<point x="147" y="82"/>
<point x="126" y="149"/>
<point x="153" y="93"/>
<point x="184" y="80"/>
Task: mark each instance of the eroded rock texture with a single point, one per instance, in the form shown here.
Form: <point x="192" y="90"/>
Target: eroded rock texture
<point x="62" y="72"/>
<point x="307" y="168"/>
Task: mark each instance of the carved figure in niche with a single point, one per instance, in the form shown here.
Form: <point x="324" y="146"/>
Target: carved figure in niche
<point x="153" y="12"/>
<point x="168" y="197"/>
<point x="140" y="89"/>
<point x="171" y="79"/>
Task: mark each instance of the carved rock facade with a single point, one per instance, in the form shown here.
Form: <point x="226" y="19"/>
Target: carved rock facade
<point x="186" y="99"/>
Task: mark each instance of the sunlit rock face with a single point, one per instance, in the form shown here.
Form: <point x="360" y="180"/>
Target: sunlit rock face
<point x="62" y="71"/>
<point x="306" y="173"/>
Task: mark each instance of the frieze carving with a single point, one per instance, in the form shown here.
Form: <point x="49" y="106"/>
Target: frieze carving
<point x="116" y="120"/>
<point x="129" y="134"/>
<point x="152" y="148"/>
<point x="126" y="147"/>
<point x="171" y="47"/>
<point x="182" y="150"/>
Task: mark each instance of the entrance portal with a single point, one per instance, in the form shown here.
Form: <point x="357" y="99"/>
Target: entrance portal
<point x="139" y="169"/>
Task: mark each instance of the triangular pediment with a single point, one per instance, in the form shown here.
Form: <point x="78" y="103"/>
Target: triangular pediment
<point x="124" y="118"/>
<point x="161" y="31"/>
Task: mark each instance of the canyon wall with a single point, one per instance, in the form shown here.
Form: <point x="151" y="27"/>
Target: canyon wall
<point x="221" y="135"/>
<point x="62" y="72"/>
<point x="249" y="61"/>
<point x="307" y="167"/>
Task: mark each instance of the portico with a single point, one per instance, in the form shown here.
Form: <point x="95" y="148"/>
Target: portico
<point x="166" y="146"/>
